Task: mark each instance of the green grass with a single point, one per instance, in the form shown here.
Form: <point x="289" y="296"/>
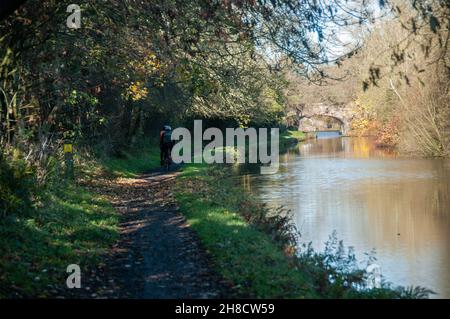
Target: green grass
<point x="289" y="138"/>
<point x="292" y="136"/>
<point x="73" y="226"/>
<point x="244" y="255"/>
<point x="133" y="162"/>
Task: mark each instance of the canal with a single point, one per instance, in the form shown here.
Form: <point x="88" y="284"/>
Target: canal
<point x="373" y="199"/>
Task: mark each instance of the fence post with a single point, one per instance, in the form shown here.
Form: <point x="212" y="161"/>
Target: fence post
<point x="68" y="158"/>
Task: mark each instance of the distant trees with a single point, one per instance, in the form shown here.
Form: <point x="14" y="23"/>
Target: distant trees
<point x="407" y="83"/>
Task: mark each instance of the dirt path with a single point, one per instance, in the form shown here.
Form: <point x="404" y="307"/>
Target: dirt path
<point x="158" y="255"/>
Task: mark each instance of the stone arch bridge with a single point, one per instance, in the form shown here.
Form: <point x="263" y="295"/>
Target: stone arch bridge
<point x="343" y="113"/>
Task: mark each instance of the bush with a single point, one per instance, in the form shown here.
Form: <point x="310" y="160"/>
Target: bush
<point x="17" y="184"/>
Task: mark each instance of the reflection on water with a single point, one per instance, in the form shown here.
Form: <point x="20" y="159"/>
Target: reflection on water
<point x="373" y="199"/>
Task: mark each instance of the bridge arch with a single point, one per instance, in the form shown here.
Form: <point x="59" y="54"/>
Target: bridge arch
<point x="342" y="113"/>
<point x="318" y="122"/>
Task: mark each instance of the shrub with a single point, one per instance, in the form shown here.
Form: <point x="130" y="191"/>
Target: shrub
<point x="17" y="184"/>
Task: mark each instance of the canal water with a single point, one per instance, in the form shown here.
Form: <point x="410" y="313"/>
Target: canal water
<point x="373" y="199"/>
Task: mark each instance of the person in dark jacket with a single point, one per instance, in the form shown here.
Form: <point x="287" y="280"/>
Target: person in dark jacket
<point x="165" y="143"/>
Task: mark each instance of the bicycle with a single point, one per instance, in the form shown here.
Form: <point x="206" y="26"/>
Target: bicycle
<point x="167" y="161"/>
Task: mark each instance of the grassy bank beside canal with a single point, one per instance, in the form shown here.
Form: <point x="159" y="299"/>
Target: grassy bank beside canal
<point x="243" y="253"/>
<point x="291" y="137"/>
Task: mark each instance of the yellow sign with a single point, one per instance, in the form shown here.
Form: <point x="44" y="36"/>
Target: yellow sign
<point x="68" y="148"/>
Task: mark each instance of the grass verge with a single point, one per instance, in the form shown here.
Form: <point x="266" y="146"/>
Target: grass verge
<point x="133" y="162"/>
<point x="291" y="137"/>
<point x="70" y="226"/>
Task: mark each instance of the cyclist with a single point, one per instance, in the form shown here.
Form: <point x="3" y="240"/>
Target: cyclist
<point x="165" y="143"/>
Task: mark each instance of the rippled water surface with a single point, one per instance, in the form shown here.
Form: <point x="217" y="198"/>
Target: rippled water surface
<point x="374" y="200"/>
